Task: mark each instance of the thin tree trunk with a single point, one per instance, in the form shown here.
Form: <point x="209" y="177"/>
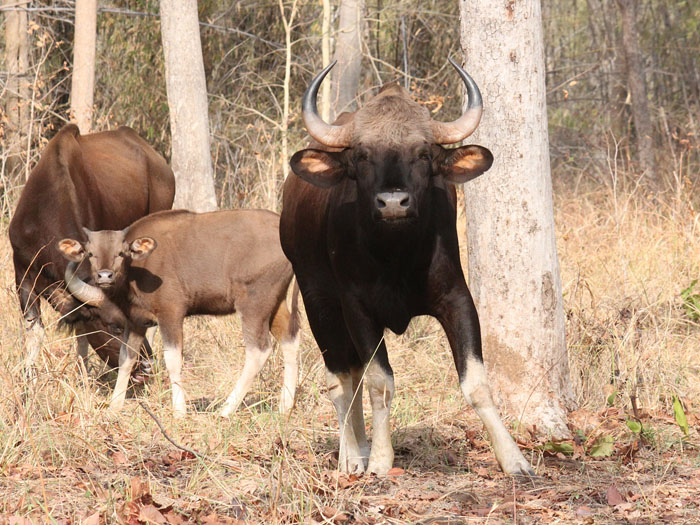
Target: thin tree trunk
<point x="17" y="86"/>
<point x="513" y="265"/>
<point x="636" y="86"/>
<point x="83" y="84"/>
<point x="345" y="78"/>
<point x="287" y="76"/>
<point x="188" y="104"/>
<point x="326" y="57"/>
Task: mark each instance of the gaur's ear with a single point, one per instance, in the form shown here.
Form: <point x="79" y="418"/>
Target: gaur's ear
<point x="142" y="248"/>
<point x="320" y="168"/>
<point x="71" y="250"/>
<point x="465" y="163"/>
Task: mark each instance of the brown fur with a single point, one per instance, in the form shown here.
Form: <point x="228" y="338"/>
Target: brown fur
<point x="100" y="181"/>
<point x="211" y="263"/>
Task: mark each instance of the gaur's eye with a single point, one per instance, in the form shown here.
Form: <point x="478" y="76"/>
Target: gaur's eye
<point x="122" y="254"/>
<point x="425" y="155"/>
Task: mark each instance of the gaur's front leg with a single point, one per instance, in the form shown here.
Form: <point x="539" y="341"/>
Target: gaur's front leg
<point x="128" y="355"/>
<point x="457" y="314"/>
<point x="368" y="337"/>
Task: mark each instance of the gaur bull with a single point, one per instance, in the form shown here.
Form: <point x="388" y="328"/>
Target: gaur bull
<point x="369" y="224"/>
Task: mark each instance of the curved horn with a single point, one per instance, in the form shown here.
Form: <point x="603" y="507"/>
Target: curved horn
<point x="458" y="130"/>
<point x="327" y="134"/>
<point x="93" y="296"/>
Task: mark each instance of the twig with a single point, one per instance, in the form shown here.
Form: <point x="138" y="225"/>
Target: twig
<point x="198" y="455"/>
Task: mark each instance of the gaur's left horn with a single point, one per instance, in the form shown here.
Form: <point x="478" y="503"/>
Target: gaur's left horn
<point x="458" y="130"/>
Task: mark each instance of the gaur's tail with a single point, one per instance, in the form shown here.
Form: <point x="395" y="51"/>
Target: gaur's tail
<point x="294" y="323"/>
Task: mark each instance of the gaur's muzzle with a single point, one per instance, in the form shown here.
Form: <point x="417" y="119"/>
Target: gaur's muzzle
<point x="393" y="204"/>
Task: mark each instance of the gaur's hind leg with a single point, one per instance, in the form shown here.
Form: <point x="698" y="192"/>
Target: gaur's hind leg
<point x="286" y="331"/>
<point x="257" y="350"/>
<point x="171" y="332"/>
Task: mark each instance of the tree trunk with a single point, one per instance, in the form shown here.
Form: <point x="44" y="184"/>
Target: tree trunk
<point x="17" y="86"/>
<point x="83" y="84"/>
<point x="188" y="104"/>
<point x="326" y="58"/>
<point x="348" y="52"/>
<point x="513" y="265"/>
<point x="636" y="87"/>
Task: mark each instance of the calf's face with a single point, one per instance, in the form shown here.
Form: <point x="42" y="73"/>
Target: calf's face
<point x="108" y="254"/>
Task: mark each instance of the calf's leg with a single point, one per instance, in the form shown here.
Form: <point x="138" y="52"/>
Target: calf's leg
<point x="128" y="354"/>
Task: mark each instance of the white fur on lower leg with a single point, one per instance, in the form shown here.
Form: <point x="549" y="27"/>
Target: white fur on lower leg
<point x="477" y="393"/>
<point x="357" y="416"/>
<point x="33" y="338"/>
<point x="254" y="360"/>
<point x="350" y="458"/>
<point x="172" y="355"/>
<point x="290" y="355"/>
<point x="380" y="385"/>
<point x="127" y="359"/>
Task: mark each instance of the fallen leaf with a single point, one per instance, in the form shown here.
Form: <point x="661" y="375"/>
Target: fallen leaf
<point x="150" y="514"/>
<point x="584" y="511"/>
<point x="138" y="488"/>
<point x="396" y="471"/>
<point x="613" y="496"/>
<point x="118" y="458"/>
<point x="92" y="519"/>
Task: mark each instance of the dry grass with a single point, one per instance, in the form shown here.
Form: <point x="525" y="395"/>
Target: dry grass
<point x="624" y="263"/>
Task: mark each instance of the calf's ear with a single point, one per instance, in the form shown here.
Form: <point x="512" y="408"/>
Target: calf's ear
<point x="71" y="250"/>
<point x="320" y="168"/>
<point x="142" y="248"/>
<point x="465" y="163"/>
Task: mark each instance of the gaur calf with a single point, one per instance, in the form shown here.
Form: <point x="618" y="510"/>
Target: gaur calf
<point x="174" y="264"/>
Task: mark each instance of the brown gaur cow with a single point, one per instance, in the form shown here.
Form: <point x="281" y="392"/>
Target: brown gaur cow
<point x="369" y="223"/>
<point x="176" y="263"/>
<point x="103" y="180"/>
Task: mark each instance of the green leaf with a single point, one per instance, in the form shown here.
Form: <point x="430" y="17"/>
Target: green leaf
<point x="634" y="426"/>
<point x="679" y="414"/>
<point x="603" y="447"/>
<point x="563" y="447"/>
<point x="691" y="301"/>
<point x="611" y="398"/>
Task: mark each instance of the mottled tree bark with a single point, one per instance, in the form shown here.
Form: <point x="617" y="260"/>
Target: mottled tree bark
<point x="16" y="95"/>
<point x="83" y="82"/>
<point x="348" y="52"/>
<point x="513" y="265"/>
<point x="188" y="105"/>
<point x="636" y="87"/>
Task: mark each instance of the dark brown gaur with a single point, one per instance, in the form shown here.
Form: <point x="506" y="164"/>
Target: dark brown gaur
<point x="174" y="264"/>
<point x="100" y="181"/>
<point x="369" y="223"/>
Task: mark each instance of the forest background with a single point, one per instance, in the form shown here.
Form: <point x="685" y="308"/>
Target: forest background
<point x="627" y="225"/>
